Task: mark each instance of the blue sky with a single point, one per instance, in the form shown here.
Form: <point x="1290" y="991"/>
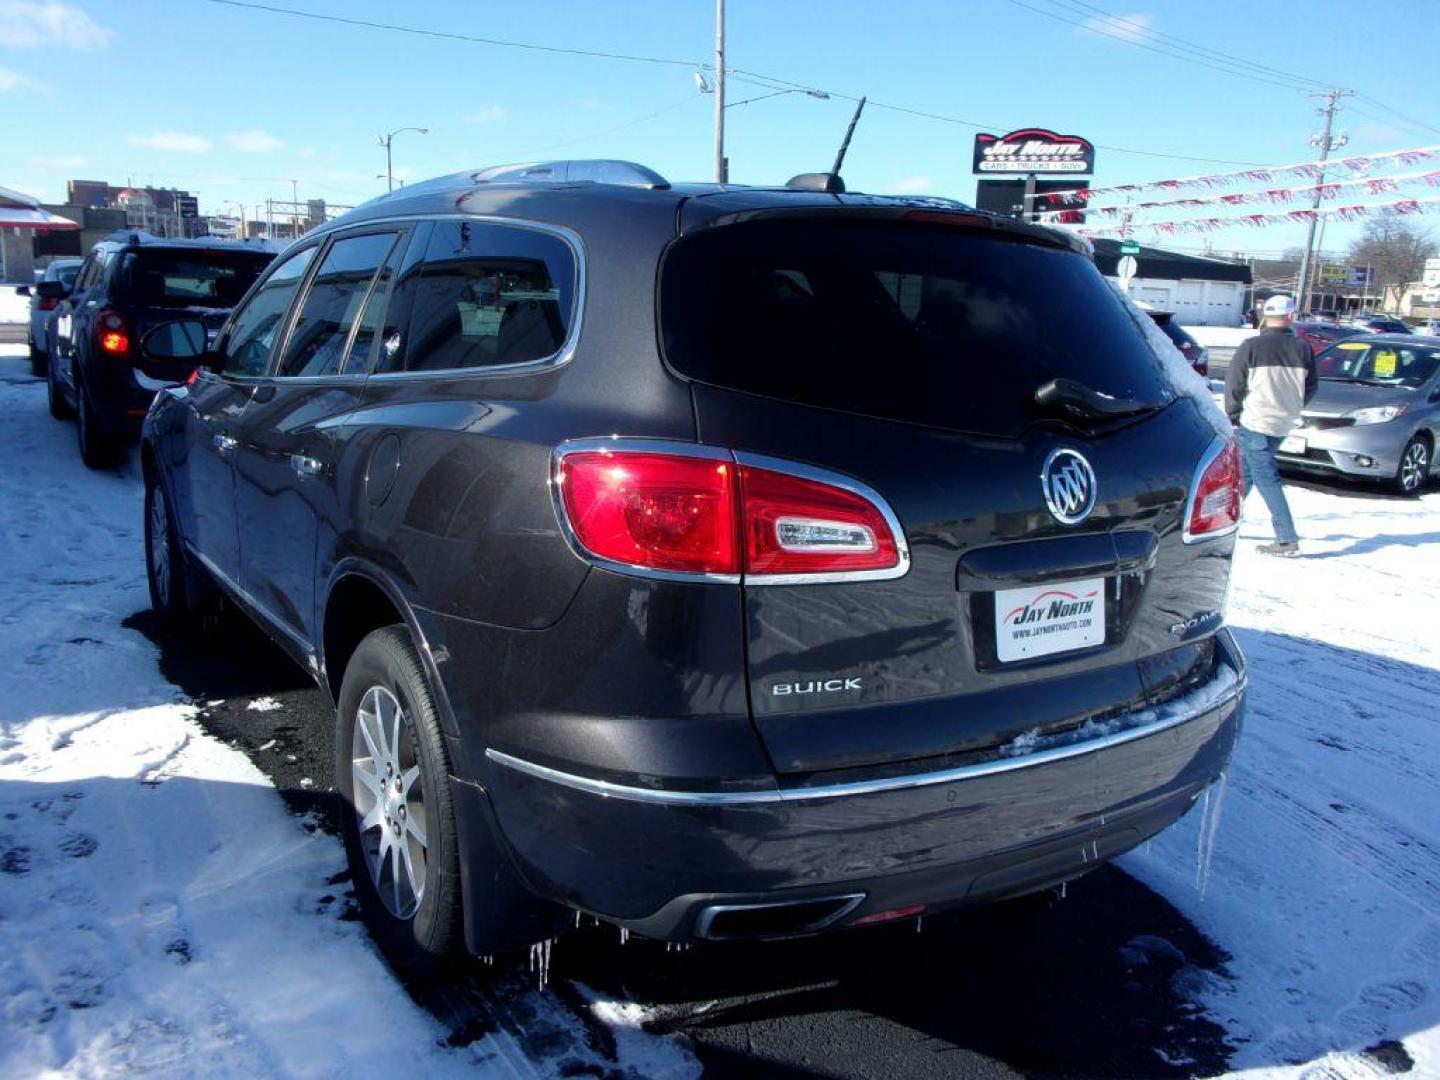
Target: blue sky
<point x="235" y="103"/>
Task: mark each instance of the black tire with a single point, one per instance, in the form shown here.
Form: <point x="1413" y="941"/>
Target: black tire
<point x="165" y="569"/>
<point x="1413" y="472"/>
<point x="97" y="451"/>
<point x="429" y="936"/>
<point x="38" y="365"/>
<point x="59" y="407"/>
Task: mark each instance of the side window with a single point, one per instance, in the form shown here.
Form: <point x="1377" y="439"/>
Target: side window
<point x="253" y="327"/>
<point x="490" y="295"/>
<point x="320" y="342"/>
<point x="393" y="335"/>
<point x="87" y="273"/>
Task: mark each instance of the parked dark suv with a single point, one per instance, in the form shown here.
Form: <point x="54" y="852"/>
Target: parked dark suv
<point x="100" y="371"/>
<point x="720" y="562"/>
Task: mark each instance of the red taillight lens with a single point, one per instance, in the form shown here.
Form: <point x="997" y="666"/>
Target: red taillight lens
<point x="658" y="511"/>
<point x="1215" y="503"/>
<point x="704" y="514"/>
<point x="110" y="334"/>
<point x="799" y="526"/>
<point x="48" y="303"/>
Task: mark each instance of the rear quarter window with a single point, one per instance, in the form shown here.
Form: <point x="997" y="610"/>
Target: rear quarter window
<point x="901" y="321"/>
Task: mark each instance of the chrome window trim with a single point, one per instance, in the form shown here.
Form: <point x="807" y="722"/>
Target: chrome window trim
<point x="1214" y="450"/>
<point x="1236" y="683"/>
<point x="557" y="359"/>
<point x="642" y="445"/>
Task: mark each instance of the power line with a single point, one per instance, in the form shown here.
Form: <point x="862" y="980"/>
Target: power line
<point x="1131" y="39"/>
<point x="761" y="79"/>
<point x="1396" y="112"/>
<point x="452" y="36"/>
<point x="1136" y="28"/>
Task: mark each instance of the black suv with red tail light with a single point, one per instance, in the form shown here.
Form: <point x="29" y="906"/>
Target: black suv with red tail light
<point x="720" y="562"/>
<point x="100" y="371"/>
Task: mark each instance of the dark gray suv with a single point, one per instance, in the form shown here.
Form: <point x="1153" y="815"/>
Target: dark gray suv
<point x="720" y="562"/>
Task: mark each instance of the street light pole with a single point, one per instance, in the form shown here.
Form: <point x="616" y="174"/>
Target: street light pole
<point x="385" y="141"/>
<point x="722" y="167"/>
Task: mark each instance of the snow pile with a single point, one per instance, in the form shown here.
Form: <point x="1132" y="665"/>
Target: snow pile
<point x="160" y="911"/>
<point x="1325" y="879"/>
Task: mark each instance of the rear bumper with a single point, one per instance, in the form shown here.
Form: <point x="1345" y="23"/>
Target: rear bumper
<point x="660" y="861"/>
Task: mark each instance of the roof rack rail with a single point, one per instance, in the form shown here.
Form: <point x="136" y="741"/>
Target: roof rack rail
<point x="595" y="171"/>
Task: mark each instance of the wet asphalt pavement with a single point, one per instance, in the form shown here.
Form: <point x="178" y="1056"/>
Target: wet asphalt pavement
<point x="1093" y="984"/>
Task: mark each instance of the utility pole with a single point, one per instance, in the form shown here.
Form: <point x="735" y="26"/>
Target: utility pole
<point x="1326" y="143"/>
<point x="722" y="167"/>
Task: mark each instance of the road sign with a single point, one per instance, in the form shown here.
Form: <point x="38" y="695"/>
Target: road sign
<point x="1332" y="272"/>
<point x="1125" y="270"/>
<point x="1129" y="247"/>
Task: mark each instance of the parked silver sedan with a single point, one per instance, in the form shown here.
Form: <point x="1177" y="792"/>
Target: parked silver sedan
<point x="1376" y="414"/>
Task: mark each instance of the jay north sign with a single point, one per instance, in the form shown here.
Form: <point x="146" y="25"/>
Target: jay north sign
<point x="1033" y="150"/>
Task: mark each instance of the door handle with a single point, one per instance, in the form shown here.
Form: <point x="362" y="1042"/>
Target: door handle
<point x="225" y="443"/>
<point x="306" y="466"/>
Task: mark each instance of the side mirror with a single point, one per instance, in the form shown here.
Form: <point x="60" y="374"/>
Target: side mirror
<point x="22" y="290"/>
<point x="183" y="340"/>
<point x="51" y="290"/>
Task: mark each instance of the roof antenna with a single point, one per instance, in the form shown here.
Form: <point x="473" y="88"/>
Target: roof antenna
<point x="845" y="144"/>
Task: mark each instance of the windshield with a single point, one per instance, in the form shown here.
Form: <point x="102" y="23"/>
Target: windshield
<point x="902" y="321"/>
<point x="1381" y="363"/>
<point x="213" y="279"/>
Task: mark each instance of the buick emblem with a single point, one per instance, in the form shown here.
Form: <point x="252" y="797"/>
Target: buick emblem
<point x="1069" y="486"/>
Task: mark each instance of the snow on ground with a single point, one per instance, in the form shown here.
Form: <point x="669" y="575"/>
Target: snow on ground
<point x="1222" y="337"/>
<point x="160" y="911"/>
<point x="1325" y="884"/>
<point x="13" y="308"/>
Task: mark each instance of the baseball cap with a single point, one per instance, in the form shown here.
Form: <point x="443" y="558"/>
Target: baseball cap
<point x="1279" y="305"/>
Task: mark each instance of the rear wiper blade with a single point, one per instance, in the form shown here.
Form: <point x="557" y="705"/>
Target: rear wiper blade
<point x="1086" y="401"/>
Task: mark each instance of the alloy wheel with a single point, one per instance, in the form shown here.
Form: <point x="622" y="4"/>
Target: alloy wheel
<point x="158" y="547"/>
<point x="1414" y="466"/>
<point x="389" y="799"/>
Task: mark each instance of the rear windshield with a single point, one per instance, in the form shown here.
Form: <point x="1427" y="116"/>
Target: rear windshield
<point x="66" y="275"/>
<point x="1174" y="331"/>
<point x="212" y="279"/>
<point x="918" y="323"/>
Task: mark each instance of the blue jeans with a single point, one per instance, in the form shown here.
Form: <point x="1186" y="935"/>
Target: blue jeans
<point x="1260" y="471"/>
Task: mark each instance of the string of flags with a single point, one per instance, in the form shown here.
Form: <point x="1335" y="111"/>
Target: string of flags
<point x="1257" y="221"/>
<point x="1083" y="196"/>
<point x="1329" y="191"/>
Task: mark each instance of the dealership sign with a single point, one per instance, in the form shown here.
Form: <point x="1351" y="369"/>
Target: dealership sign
<point x="1033" y="150"/>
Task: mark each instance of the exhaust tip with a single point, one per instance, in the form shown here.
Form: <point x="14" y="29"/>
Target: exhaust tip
<point x="786" y="918"/>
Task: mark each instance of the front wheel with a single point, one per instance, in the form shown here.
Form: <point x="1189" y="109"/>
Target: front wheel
<point x="391" y="772"/>
<point x="1414" y="467"/>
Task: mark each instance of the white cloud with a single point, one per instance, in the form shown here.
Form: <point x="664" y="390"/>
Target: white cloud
<point x="913" y="185"/>
<point x="255" y="141"/>
<point x="306" y="152"/>
<point x="178" y="141"/>
<point x="1132" y="28"/>
<point x="14" y="80"/>
<point x="39" y="24"/>
<point x="490" y="114"/>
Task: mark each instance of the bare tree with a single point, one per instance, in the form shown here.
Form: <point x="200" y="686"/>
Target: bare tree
<point x="1395" y="247"/>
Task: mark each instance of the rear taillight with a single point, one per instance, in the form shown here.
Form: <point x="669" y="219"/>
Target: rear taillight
<point x="1214" y="505"/>
<point x="689" y="510"/>
<point x="111" y="336"/>
<point x="48" y="303"/>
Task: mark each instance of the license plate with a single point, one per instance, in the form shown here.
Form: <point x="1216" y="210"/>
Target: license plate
<point x="1044" y="619"/>
<point x="1293" y="444"/>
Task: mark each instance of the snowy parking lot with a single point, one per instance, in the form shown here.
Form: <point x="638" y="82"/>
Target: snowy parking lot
<point x="172" y="902"/>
